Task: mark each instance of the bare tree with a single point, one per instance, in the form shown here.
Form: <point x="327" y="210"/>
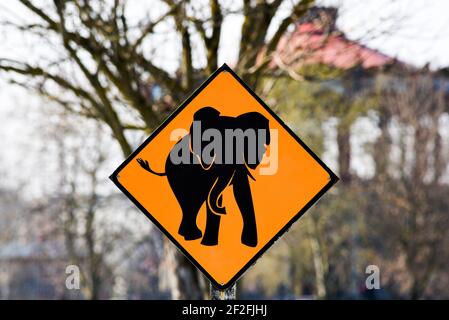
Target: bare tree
<point x="105" y="72"/>
<point x="411" y="193"/>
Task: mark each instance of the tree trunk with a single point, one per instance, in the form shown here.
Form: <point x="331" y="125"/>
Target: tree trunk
<point x="183" y="279"/>
<point x="382" y="145"/>
<point x="438" y="161"/>
<point x="421" y="157"/>
<point x="318" y="266"/>
<point x="344" y="152"/>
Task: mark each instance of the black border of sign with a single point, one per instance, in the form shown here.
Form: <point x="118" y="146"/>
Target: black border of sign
<point x="332" y="179"/>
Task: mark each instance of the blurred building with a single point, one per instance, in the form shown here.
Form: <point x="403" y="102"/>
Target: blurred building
<point x="34" y="258"/>
<point x="317" y="40"/>
<point x="32" y="270"/>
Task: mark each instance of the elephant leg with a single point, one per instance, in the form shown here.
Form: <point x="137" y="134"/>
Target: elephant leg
<point x="212" y="227"/>
<point x="242" y="194"/>
<point x="188" y="228"/>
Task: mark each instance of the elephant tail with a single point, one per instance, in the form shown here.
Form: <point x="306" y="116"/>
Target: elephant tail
<point x="144" y="164"/>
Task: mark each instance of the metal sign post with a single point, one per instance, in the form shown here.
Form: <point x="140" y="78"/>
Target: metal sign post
<point x="226" y="294"/>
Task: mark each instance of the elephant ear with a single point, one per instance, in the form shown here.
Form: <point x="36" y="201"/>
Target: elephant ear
<point x="205" y="118"/>
<point x="260" y="124"/>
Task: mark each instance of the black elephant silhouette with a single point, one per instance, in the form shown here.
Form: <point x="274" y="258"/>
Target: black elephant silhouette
<point x="206" y="171"/>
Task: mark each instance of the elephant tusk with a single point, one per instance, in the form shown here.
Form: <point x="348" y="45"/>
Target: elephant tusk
<point x="199" y="158"/>
<point x="249" y="172"/>
<point x="220" y="194"/>
<point x="201" y="163"/>
<point x="208" y="197"/>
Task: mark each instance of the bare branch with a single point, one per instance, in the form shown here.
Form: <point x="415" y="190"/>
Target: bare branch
<point x="148" y="29"/>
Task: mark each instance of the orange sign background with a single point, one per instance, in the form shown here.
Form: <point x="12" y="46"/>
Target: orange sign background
<point x="277" y="198"/>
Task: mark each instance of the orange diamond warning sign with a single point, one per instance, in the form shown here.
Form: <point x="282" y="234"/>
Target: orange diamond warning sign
<point x="223" y="177"/>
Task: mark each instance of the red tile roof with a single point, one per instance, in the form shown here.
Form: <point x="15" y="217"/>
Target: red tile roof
<point x="308" y="44"/>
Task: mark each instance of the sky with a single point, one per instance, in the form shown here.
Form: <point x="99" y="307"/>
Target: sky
<point x="415" y="31"/>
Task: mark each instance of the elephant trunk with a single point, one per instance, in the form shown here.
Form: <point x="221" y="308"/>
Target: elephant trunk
<point x="217" y="189"/>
